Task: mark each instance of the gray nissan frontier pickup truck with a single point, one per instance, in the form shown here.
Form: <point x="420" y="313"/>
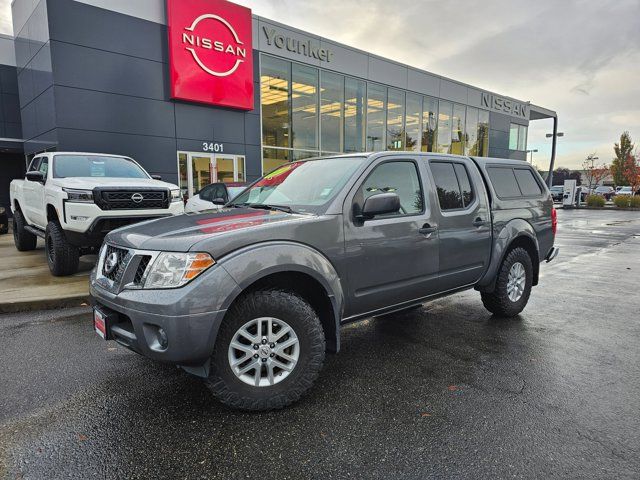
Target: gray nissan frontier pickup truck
<point x="251" y="297"/>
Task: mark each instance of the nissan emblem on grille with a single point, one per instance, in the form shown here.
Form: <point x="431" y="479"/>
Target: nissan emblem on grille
<point x="111" y="262"/>
<point x="137" y="197"/>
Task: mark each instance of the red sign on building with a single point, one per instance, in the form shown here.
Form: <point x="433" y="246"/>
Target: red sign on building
<point x="210" y="52"/>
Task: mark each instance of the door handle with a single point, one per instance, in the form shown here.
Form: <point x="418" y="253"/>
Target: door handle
<point x="478" y="222"/>
<point x="427" y="229"/>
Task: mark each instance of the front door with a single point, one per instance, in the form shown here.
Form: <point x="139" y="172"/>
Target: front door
<point x="393" y="258"/>
<point x="197" y="170"/>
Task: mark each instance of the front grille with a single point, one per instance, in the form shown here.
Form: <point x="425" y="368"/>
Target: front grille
<point x="113" y="263"/>
<point x="142" y="268"/>
<point x="132" y="199"/>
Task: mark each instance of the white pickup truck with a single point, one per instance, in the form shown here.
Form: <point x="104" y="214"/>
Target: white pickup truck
<point x="73" y="200"/>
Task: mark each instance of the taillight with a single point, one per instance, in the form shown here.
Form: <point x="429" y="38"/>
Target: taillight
<point x="554" y="220"/>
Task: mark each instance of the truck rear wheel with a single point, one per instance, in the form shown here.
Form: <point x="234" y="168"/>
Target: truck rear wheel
<point x="25" y="241"/>
<point x="513" y="285"/>
<point x="268" y="353"/>
<point x="63" y="258"/>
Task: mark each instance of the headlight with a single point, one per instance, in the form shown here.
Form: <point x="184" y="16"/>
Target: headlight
<point x="175" y="196"/>
<point x="172" y="270"/>
<point x="79" y="196"/>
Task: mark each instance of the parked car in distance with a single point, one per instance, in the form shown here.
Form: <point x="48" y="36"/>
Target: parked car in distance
<point x="4" y="221"/>
<point x="213" y="197"/>
<point x="251" y="296"/>
<point x="73" y="200"/>
<point x="625" y="191"/>
<point x="607" y="192"/>
<point x="557" y="192"/>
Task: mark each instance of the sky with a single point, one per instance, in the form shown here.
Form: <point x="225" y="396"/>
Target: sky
<point x="580" y="58"/>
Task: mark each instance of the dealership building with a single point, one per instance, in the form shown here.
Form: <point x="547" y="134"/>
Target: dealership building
<point x="202" y="90"/>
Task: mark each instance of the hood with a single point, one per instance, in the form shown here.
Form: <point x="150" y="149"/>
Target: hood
<point x="89" y="183"/>
<point x="182" y="232"/>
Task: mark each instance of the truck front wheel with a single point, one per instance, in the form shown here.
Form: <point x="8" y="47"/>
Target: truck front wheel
<point x="268" y="353"/>
<point x="25" y="241"/>
<point x="513" y="285"/>
<point x="63" y="258"/>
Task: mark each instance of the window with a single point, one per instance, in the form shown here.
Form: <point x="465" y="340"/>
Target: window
<point x="44" y="167"/>
<point x="457" y="129"/>
<point x="517" y="137"/>
<point x="275" y="87"/>
<point x="453" y="185"/>
<point x="504" y="182"/>
<point x="395" y="120"/>
<point x="354" y="115"/>
<point x="304" y="106"/>
<point x="413" y="125"/>
<point x="483" y="133"/>
<point x="465" y="184"/>
<point x="400" y="178"/>
<point x="35" y="164"/>
<point x="527" y="182"/>
<point x="376" y="117"/>
<point x="331" y="111"/>
<point x="444" y="126"/>
<point x="471" y="132"/>
<point x="429" y="124"/>
<point x="272" y="158"/>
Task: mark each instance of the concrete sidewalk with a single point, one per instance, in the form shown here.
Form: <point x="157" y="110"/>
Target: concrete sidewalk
<point x="26" y="283"/>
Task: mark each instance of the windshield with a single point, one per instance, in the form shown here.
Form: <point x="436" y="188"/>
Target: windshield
<point x="302" y="186"/>
<point x="65" y="166"/>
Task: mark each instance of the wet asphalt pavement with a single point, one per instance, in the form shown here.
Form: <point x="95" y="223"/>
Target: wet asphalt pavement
<point x="444" y="391"/>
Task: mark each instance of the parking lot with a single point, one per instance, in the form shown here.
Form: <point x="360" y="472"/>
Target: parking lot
<point x="446" y="390"/>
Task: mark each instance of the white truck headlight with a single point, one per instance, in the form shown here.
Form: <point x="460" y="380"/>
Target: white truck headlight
<point x="79" y="196"/>
<point x="172" y="270"/>
<point x="175" y="196"/>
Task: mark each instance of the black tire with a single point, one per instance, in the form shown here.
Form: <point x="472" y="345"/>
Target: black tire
<point x="299" y="315"/>
<point x="63" y="258"/>
<point x="25" y="241"/>
<point x="498" y="301"/>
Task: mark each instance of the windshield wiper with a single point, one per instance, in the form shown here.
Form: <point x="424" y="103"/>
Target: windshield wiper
<point x="265" y="206"/>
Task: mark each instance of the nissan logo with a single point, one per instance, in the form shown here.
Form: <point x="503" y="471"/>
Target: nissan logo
<point x="111" y="262"/>
<point x="137" y="197"/>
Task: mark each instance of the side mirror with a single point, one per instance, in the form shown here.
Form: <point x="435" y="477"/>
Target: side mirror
<point x="380" y="204"/>
<point x="156" y="177"/>
<point x="35" y="176"/>
<point x="218" y="201"/>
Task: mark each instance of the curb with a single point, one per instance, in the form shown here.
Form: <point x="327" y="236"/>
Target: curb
<point x="44" y="304"/>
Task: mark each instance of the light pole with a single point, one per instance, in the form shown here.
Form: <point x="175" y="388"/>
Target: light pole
<point x="555" y="136"/>
<point x="532" y="152"/>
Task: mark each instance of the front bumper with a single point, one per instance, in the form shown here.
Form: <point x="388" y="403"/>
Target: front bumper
<point x="189" y="318"/>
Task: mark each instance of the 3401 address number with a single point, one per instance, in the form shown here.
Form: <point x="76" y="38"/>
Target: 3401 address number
<point x="213" y="147"/>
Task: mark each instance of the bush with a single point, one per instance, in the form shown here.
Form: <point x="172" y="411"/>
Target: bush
<point x="635" y="201"/>
<point x="595" y="201"/>
<point x="621" y="201"/>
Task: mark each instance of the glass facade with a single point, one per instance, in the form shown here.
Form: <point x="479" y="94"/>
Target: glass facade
<point x="307" y="112"/>
<point x="517" y="137"/>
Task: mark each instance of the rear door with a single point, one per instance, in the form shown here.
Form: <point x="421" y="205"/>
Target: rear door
<point x="393" y="258"/>
<point x="464" y="220"/>
<point x="29" y="194"/>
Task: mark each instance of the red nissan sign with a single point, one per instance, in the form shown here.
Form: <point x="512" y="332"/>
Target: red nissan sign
<point x="210" y="52"/>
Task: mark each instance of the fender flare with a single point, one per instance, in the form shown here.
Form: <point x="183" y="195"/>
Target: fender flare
<point x="254" y="262"/>
<point x="513" y="230"/>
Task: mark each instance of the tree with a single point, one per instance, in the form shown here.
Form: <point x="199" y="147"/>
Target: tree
<point x="631" y="171"/>
<point x="594" y="174"/>
<point x="561" y="174"/>
<point x="622" y="151"/>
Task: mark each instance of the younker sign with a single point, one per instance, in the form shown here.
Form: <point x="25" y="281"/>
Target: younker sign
<point x="504" y="105"/>
<point x="295" y="45"/>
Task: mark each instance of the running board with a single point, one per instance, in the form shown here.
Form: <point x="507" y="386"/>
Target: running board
<point x="36" y="231"/>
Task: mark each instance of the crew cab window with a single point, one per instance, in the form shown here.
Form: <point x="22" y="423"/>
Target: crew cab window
<point x="400" y="178"/>
<point x="527" y="182"/>
<point x="34" y="165"/>
<point x="504" y="182"/>
<point x="453" y="185"/>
